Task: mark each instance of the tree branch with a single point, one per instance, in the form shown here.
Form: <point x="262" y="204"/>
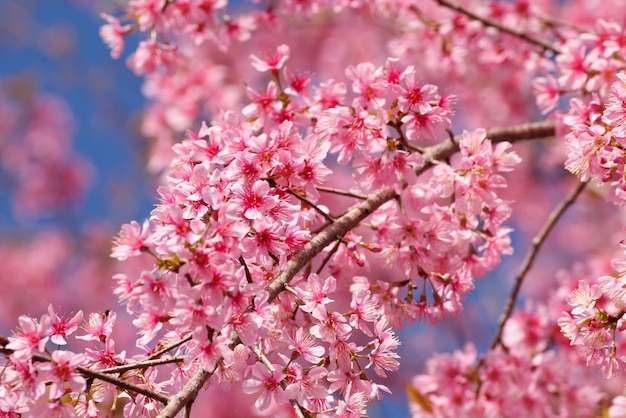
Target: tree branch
<point x="335" y="231"/>
<point x="169" y="347"/>
<point x="306" y="201"/>
<point x="340" y="192"/>
<point x="523" y="132"/>
<point x="122" y="384"/>
<point x="518" y="34"/>
<point x="142" y="364"/>
<point x="102" y="375"/>
<point x="530" y="257"/>
<point x="186" y="394"/>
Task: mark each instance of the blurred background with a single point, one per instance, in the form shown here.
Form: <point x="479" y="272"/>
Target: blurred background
<point x="70" y="158"/>
<point x="53" y="49"/>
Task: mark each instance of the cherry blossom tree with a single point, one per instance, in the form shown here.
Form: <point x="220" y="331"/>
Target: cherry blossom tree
<point x="329" y="173"/>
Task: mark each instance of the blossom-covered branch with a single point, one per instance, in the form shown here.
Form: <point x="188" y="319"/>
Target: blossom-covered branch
<point x="328" y="203"/>
<point x="347" y="222"/>
<point x="489" y="23"/>
<point x="537" y="241"/>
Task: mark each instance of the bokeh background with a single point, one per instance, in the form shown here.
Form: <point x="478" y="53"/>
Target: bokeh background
<point x="53" y="47"/>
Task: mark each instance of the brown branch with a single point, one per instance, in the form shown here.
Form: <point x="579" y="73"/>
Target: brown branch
<point x="334" y="231"/>
<point x="317" y="209"/>
<point x="98" y="374"/>
<point x="122" y="384"/>
<point x="169" y="347"/>
<point x="555" y="22"/>
<point x="142" y="364"/>
<point x="518" y="34"/>
<point x="246" y="270"/>
<point x="342" y="225"/>
<point x="530" y="258"/>
<point x="102" y="375"/>
<point x="340" y="192"/>
<point x="523" y="132"/>
<point x="186" y="394"/>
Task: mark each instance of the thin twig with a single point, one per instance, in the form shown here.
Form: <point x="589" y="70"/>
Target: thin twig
<point x="242" y="261"/>
<point x="102" y="375"/>
<point x="143" y="364"/>
<point x="518" y="34"/>
<point x="266" y="362"/>
<point x="122" y="384"/>
<point x="555" y="22"/>
<point x="343" y="224"/>
<point x="530" y="257"/>
<point x="341" y="192"/>
<point x="169" y="347"/>
<point x="291" y="290"/>
<point x="272" y="369"/>
<point x="303" y="199"/>
<point x="297" y="409"/>
<point x="328" y="256"/>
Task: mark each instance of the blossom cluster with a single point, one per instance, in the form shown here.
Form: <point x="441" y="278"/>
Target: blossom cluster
<point x="244" y="199"/>
<point x="596" y="138"/>
<point x="501" y="384"/>
<point x="534" y="368"/>
<point x="591" y="67"/>
<point x="247" y="196"/>
<point x="429" y="30"/>
<point x="185" y="77"/>
<point x="594" y="322"/>
<point x="587" y="63"/>
<point x="446" y="245"/>
<point x="190" y="52"/>
<point x="37" y="381"/>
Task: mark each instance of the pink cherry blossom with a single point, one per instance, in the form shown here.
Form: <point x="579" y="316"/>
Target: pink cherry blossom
<point x="584" y="298"/>
<point x="271" y="61"/>
<point x="547" y="92"/>
<point x="31" y="335"/>
<point x="113" y="34"/>
<point x="99" y="326"/>
<point x="315" y="295"/>
<point x="263" y="383"/>
<point x="383" y="357"/>
<point x="353" y="406"/>
<point x="131" y="241"/>
<point x="305" y="388"/>
<point x="62" y="328"/>
<point x="62" y="372"/>
<point x="367" y="83"/>
<point x="305" y="345"/>
<point x="254" y="202"/>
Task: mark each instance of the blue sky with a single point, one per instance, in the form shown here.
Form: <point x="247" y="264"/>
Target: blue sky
<point x="104" y="97"/>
